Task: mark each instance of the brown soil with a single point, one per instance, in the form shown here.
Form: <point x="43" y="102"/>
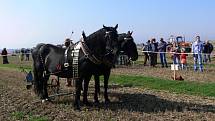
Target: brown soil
<point x="126" y="103"/>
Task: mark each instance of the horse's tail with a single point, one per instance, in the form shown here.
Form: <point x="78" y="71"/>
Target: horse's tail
<point x="38" y="69"/>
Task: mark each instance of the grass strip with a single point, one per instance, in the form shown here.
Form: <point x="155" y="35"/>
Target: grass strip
<point x="15" y="67"/>
<point x="185" y="87"/>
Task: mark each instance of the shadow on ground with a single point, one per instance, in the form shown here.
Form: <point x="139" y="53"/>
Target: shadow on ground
<point x="143" y="103"/>
<point x="150" y="103"/>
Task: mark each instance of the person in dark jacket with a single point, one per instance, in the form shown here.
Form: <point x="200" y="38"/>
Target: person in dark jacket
<point x="22" y="54"/>
<point x="4" y="56"/>
<point x="156" y="50"/>
<point x="27" y="54"/>
<point x="67" y="44"/>
<point x="162" y="49"/>
<point x="146" y="55"/>
<point x="208" y="49"/>
<point x="152" y="54"/>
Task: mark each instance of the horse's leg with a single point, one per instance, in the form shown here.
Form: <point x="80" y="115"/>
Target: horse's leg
<point x="58" y="84"/>
<point x="38" y="82"/>
<point x="106" y="78"/>
<point x="45" y="83"/>
<point x="97" y="89"/>
<point x="86" y="85"/>
<point x="78" y="86"/>
<point x="58" y="81"/>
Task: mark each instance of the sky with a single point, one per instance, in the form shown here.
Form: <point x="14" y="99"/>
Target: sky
<point x="25" y="23"/>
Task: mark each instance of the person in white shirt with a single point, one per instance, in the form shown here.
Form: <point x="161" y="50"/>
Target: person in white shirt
<point x="197" y="49"/>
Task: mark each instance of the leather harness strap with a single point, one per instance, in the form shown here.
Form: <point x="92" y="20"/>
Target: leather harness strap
<point x="88" y="53"/>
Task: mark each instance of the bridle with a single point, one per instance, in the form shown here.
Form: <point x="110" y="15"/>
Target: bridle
<point x="100" y="59"/>
<point x="126" y="39"/>
<point x="109" y="48"/>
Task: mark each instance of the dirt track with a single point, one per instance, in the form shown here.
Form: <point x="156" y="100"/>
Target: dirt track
<point x="126" y="104"/>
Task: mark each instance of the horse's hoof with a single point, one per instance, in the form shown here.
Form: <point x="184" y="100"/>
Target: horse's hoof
<point x="107" y="101"/>
<point x="45" y="100"/>
<point x="77" y="108"/>
<point x="96" y="103"/>
<point x="86" y="103"/>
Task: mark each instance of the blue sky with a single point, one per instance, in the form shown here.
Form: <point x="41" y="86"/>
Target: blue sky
<point x="24" y="23"/>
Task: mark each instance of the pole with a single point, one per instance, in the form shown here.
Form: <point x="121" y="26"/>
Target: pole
<point x="174" y="68"/>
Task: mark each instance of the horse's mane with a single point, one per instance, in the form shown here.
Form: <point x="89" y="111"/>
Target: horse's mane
<point x="94" y="35"/>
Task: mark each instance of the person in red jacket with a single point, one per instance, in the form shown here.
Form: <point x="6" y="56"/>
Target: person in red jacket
<point x="183" y="58"/>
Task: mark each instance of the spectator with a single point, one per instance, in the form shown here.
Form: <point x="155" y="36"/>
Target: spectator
<point x="156" y="50"/>
<point x="4" y="56"/>
<point x="208" y="49"/>
<point x="183" y="58"/>
<point x="152" y="53"/>
<point x="175" y="56"/>
<point x="146" y="55"/>
<point x="27" y="54"/>
<point x="197" y="49"/>
<point x="162" y="49"/>
<point x="22" y="54"/>
<point x="67" y="44"/>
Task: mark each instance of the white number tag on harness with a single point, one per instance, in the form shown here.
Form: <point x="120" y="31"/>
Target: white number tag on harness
<point x="75" y="55"/>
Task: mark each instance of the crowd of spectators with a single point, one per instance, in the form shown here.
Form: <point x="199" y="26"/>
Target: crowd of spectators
<point x="25" y="54"/>
<point x="200" y="51"/>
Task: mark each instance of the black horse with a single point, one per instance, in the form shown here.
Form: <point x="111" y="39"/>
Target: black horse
<point x="96" y="49"/>
<point x="127" y="45"/>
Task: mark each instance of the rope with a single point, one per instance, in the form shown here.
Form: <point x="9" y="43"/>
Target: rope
<point x="213" y="54"/>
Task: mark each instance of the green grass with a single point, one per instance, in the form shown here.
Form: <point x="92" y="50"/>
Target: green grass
<point x="15" y="66"/>
<point x="185" y="87"/>
<point x="18" y="115"/>
<point x="21" y="115"/>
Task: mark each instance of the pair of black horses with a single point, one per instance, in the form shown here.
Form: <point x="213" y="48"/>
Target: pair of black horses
<point x="97" y="56"/>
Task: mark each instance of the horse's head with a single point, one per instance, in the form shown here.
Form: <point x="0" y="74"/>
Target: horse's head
<point x="103" y="44"/>
<point x="111" y="39"/>
<point x="128" y="45"/>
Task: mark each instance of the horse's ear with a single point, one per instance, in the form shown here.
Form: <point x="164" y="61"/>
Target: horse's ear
<point x="104" y="26"/>
<point x="130" y="33"/>
<point x="116" y="26"/>
<point x="83" y="35"/>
